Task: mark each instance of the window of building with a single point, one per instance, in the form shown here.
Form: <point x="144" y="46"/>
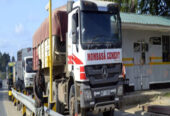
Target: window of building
<point x="166" y="48"/>
<point x="140" y="47"/>
<point x="136" y="47"/>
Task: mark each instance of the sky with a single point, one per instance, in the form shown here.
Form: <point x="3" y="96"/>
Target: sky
<point x="19" y="19"/>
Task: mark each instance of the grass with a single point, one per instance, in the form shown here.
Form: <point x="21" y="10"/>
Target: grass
<point x="166" y="94"/>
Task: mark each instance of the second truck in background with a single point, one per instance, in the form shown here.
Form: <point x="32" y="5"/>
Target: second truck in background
<point x="23" y="67"/>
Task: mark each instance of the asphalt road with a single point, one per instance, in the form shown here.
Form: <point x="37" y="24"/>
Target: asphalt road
<point x="2" y="99"/>
<point x="8" y="109"/>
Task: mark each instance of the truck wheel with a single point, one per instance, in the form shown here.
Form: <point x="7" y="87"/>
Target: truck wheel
<point x="59" y="106"/>
<point x="72" y="101"/>
<point x="108" y="113"/>
<point x="83" y="112"/>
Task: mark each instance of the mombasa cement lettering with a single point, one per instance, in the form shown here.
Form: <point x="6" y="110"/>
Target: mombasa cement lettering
<point x="103" y="56"/>
<point x="113" y="55"/>
<point x="96" y="56"/>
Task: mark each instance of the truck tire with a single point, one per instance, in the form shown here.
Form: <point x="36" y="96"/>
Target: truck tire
<point x="83" y="112"/>
<point x="37" y="93"/>
<point x="72" y="103"/>
<point x="108" y="113"/>
<point x="59" y="105"/>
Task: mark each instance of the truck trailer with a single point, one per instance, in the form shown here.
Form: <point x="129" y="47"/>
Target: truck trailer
<point x="87" y="56"/>
<point x="24" y="71"/>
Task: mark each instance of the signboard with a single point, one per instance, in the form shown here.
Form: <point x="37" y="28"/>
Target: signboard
<point x="155" y="40"/>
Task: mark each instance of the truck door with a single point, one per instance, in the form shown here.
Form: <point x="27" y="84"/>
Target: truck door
<point x="73" y="37"/>
<point x="140" y="65"/>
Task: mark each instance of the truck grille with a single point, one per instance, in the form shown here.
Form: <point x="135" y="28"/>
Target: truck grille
<point x="106" y="73"/>
<point x="104" y="99"/>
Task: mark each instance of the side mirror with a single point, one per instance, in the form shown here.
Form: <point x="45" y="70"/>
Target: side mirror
<point x="70" y="5"/>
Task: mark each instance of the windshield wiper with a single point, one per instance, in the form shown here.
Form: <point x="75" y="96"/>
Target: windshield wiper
<point x="92" y="45"/>
<point x="89" y="44"/>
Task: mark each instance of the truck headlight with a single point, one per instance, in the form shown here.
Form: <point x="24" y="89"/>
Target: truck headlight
<point x="87" y="95"/>
<point x="120" y="90"/>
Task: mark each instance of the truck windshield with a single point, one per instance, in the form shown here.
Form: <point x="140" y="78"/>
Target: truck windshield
<point x="100" y="29"/>
<point x="29" y="65"/>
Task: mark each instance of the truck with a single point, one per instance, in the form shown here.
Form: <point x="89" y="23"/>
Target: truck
<point x="10" y="74"/>
<point x="24" y="71"/>
<point x="86" y="56"/>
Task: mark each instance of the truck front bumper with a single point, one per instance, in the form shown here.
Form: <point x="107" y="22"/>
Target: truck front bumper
<point x="28" y="83"/>
<point x="101" y="98"/>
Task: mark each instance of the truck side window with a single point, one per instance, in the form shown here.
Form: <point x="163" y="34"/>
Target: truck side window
<point x="23" y="65"/>
<point x="74" y="28"/>
<point x="74" y="22"/>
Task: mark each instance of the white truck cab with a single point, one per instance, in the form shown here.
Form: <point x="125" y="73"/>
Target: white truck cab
<point x="95" y="53"/>
<point x="29" y="73"/>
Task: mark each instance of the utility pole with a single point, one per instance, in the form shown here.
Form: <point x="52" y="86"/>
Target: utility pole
<point x="51" y="58"/>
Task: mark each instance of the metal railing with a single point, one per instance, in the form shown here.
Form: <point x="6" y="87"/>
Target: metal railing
<point x="29" y="103"/>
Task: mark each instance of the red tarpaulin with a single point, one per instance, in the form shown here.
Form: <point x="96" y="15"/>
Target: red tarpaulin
<point x="59" y="27"/>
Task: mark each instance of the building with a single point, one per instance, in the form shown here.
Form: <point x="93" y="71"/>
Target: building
<point x="146" y="50"/>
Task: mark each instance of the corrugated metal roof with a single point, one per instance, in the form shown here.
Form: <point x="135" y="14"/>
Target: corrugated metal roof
<point x="144" y="19"/>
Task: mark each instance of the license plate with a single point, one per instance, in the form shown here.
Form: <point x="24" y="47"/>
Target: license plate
<point x="105" y="93"/>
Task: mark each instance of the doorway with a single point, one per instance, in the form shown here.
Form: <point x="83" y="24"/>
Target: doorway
<point x="140" y="65"/>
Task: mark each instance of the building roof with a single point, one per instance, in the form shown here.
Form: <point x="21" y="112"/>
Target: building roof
<point x="144" y="19"/>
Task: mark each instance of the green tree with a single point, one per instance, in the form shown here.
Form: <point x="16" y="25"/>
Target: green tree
<point x="2" y="75"/>
<point x="155" y="7"/>
<point x="4" y="59"/>
<point x="13" y="59"/>
<point x="127" y="5"/>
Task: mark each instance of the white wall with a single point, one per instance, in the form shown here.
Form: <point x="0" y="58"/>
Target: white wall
<point x="144" y="74"/>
